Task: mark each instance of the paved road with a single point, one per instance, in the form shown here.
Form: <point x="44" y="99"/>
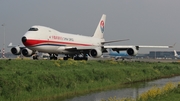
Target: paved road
<point x="145" y="60"/>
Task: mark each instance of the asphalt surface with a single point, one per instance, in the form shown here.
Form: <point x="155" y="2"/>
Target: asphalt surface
<point x="144" y="60"/>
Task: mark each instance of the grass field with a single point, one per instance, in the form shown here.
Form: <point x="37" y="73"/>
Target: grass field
<point x="44" y="79"/>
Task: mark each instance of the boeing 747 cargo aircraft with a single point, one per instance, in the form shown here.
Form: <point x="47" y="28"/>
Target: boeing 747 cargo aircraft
<point x="47" y="40"/>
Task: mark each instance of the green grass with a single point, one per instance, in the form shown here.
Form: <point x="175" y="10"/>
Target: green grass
<point x="44" y="79"/>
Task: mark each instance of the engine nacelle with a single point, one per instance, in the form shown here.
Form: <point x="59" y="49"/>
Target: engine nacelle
<point x="132" y="51"/>
<point x="27" y="52"/>
<point x="95" y="53"/>
<point x="16" y="50"/>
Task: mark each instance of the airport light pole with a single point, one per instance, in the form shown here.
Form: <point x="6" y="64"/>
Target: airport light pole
<point x="3" y="50"/>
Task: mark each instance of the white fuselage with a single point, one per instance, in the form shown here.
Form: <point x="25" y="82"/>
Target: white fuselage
<point x="51" y="41"/>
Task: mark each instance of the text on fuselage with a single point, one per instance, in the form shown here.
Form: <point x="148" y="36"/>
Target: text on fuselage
<point x="60" y="38"/>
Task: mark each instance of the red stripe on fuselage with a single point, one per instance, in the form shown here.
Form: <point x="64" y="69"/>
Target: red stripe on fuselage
<point x="31" y="42"/>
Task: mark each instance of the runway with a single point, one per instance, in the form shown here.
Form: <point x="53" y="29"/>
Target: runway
<point x="156" y="60"/>
<point x="143" y="60"/>
<point x="129" y="60"/>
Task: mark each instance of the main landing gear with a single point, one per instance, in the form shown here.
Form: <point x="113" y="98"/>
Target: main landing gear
<point x="76" y="57"/>
<point x="53" y="56"/>
<point x="66" y="57"/>
<point x="35" y="56"/>
<point x="81" y="58"/>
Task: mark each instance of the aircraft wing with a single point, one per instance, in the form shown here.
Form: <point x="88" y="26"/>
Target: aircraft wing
<point x="131" y="46"/>
<point x="114" y="48"/>
<point x="132" y="50"/>
<point x="11" y="45"/>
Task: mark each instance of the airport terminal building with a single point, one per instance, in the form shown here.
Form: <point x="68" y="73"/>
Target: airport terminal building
<point x="162" y="54"/>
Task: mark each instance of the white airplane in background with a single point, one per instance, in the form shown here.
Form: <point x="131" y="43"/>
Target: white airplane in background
<point x="47" y="40"/>
<point x="176" y="55"/>
<point x="121" y="55"/>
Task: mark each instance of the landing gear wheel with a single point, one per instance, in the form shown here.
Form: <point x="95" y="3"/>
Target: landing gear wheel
<point x="65" y="58"/>
<point x="35" y="57"/>
<point x="81" y="57"/>
<point x="86" y="58"/>
<point x="53" y="56"/>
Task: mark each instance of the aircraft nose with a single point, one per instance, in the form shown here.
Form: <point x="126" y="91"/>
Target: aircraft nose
<point x="23" y="39"/>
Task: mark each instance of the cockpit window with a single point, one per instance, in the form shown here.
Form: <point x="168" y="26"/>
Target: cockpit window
<point x="33" y="29"/>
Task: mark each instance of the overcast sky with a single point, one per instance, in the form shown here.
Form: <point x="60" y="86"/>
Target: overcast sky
<point x="144" y="22"/>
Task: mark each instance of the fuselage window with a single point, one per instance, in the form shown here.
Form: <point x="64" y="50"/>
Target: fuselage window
<point x="33" y="29"/>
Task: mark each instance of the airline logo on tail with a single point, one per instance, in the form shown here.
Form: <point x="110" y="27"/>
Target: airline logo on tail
<point x="102" y="26"/>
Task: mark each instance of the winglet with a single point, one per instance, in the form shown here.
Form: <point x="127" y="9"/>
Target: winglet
<point x="10" y="45"/>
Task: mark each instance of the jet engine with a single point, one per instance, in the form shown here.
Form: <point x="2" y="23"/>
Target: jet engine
<point x="27" y="52"/>
<point x="95" y="53"/>
<point x="132" y="51"/>
<point x="16" y="50"/>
